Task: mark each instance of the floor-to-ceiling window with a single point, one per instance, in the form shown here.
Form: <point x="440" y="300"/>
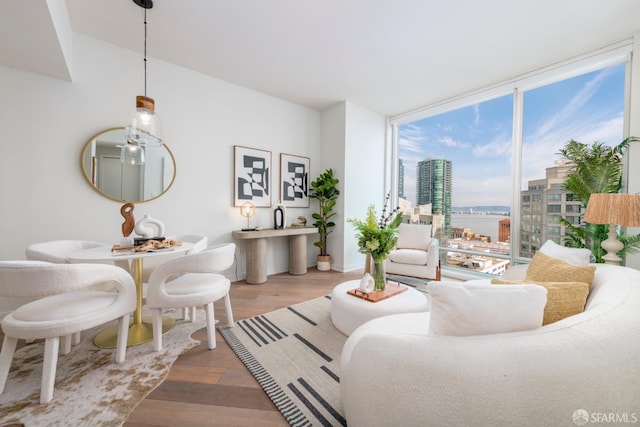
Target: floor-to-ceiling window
<point x="486" y="170"/>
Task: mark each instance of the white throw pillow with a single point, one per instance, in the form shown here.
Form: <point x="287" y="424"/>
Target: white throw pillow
<point x="414" y="236"/>
<point x="577" y="256"/>
<point x="462" y="309"/>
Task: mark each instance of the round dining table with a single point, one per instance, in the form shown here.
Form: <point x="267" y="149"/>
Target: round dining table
<point x="140" y="330"/>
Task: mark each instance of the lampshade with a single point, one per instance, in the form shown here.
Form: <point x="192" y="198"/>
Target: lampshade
<point x="144" y="124"/>
<point x="248" y="210"/>
<point x="132" y="154"/>
<point x="616" y="208"/>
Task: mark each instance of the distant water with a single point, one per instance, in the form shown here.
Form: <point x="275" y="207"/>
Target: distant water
<point x="482" y="224"/>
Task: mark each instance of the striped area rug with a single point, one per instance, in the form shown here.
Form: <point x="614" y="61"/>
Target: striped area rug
<point x="294" y="353"/>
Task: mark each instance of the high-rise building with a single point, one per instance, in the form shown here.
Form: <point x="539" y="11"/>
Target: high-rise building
<point x="401" y="179"/>
<point x="543" y="204"/>
<point x="433" y="185"/>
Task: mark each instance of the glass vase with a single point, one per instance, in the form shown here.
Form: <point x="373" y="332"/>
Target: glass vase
<point x="379" y="276"/>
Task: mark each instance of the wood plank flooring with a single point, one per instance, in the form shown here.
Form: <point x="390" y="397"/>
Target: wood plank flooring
<point x="213" y="387"/>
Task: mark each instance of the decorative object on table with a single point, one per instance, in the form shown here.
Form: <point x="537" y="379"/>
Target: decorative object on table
<point x="279" y="216"/>
<point x="252" y="177"/>
<point x="378" y="237"/>
<point x="294" y="180"/>
<point x="597" y="169"/>
<point x="129" y="223"/>
<point x="324" y="189"/>
<point x="302" y="222"/>
<point x="613" y="209"/>
<point x="378" y="295"/>
<point x="144" y="125"/>
<point x="366" y="283"/>
<point x="145" y="227"/>
<point x="146" y="245"/>
<point x="248" y="210"/>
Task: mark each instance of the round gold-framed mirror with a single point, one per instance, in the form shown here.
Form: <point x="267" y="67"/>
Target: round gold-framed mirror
<point x="103" y="170"/>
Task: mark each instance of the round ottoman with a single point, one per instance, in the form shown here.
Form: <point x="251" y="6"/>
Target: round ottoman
<point x="349" y="312"/>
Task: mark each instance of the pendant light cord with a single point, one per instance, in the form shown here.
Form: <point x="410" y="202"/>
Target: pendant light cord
<point x="145" y="52"/>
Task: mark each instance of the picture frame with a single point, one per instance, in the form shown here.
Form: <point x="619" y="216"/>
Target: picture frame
<point x="294" y="180"/>
<point x="252" y="177"/>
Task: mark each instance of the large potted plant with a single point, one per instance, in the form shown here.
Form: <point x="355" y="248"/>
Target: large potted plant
<point x="597" y="169"/>
<point x="324" y="190"/>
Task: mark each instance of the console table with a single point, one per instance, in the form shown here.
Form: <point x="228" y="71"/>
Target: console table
<point x="256" y="260"/>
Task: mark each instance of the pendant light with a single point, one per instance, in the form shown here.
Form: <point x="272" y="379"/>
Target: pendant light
<point x="143" y="129"/>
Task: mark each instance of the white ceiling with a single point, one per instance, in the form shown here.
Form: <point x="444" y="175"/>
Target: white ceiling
<point x="389" y="56"/>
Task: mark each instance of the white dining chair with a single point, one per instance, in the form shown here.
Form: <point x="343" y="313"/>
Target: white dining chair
<point x="199" y="243"/>
<point x="189" y="281"/>
<point x="57" y="251"/>
<point x="65" y="304"/>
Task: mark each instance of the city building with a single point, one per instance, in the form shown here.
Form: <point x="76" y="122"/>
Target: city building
<point x="434" y="185"/>
<point x="543" y="204"/>
<point x="422" y="214"/>
<point x="401" y="179"/>
<point x="504" y="230"/>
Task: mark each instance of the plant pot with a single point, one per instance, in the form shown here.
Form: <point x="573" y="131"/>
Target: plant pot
<point x="324" y="262"/>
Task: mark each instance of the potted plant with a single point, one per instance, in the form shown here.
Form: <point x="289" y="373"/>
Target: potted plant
<point x="324" y="190"/>
<point x="597" y="169"/>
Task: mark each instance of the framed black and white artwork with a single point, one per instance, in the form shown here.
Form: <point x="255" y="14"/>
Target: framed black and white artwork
<point x="294" y="181"/>
<point x="252" y="177"/>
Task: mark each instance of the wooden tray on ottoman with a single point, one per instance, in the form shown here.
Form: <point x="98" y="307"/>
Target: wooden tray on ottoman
<point x="375" y="296"/>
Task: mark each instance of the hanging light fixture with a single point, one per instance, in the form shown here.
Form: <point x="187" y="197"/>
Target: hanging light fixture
<point x="143" y="129"/>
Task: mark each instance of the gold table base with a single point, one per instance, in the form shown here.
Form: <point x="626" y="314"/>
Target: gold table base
<point x="139" y="333"/>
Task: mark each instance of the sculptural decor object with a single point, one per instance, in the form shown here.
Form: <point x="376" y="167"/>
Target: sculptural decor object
<point x="149" y="227"/>
<point x="129" y="221"/>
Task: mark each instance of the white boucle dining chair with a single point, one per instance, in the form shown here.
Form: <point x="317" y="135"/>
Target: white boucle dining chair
<point x="57" y="251"/>
<point x="190" y="281"/>
<point x="199" y="243"/>
<point x="65" y="305"/>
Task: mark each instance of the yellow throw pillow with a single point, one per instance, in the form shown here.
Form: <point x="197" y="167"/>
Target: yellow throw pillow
<point x="544" y="268"/>
<point x="564" y="299"/>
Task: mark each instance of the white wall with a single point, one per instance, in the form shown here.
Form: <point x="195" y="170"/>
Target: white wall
<point x="44" y="123"/>
<point x="633" y="170"/>
<point x="353" y="144"/>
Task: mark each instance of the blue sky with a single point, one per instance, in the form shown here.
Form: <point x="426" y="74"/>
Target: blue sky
<point x="477" y="139"/>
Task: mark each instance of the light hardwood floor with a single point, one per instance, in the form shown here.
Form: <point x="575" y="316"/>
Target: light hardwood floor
<point x="213" y="387"/>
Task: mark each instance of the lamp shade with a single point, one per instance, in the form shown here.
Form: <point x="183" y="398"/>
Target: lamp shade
<point x="144" y="125"/>
<point x="613" y="208"/>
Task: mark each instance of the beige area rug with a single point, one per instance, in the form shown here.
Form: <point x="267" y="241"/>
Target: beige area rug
<point x="294" y="353"/>
<point x="91" y="389"/>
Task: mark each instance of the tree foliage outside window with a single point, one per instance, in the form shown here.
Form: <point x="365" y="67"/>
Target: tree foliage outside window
<point x="598" y="169"/>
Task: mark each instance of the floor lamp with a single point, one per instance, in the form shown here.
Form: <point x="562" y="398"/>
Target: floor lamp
<point x="613" y="209"/>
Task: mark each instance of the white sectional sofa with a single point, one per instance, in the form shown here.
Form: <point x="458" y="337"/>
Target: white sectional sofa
<point x="395" y="374"/>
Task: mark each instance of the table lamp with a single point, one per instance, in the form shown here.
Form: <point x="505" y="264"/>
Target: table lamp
<point x="613" y="209"/>
<point x="248" y="210"/>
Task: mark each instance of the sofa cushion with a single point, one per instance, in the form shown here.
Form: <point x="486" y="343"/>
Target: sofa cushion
<point x="414" y="236"/>
<point x="409" y="256"/>
<point x="462" y="309"/>
<point x="577" y="256"/>
<point x="564" y="299"/>
<point x="544" y="268"/>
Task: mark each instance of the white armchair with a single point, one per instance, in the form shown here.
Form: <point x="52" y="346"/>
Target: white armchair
<point x="416" y="253"/>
